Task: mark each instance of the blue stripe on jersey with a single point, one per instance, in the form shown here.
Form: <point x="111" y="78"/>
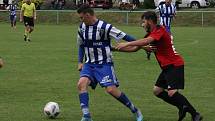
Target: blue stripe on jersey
<point x="96" y="42"/>
<point x="108" y="32"/>
<point x="103" y="28"/>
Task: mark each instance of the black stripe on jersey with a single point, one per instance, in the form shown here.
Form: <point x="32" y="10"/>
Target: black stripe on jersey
<point x="79" y="33"/>
<point x="94" y="38"/>
<point x="171" y="12"/>
<point x="87" y="40"/>
<point x="103" y="28"/>
<point x="108" y="32"/>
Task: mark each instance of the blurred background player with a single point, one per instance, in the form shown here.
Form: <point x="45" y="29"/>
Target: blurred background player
<point x="12" y="9"/>
<point x="167" y="12"/>
<point x="94" y="42"/>
<point x="28" y="15"/>
<point x="171" y="78"/>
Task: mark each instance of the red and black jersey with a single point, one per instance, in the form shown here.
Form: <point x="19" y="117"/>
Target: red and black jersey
<point x="166" y="53"/>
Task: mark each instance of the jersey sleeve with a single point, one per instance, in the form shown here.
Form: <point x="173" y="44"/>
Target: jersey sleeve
<point x="157" y="34"/>
<point x="117" y="34"/>
<point x="80" y="47"/>
<point x="157" y="9"/>
<point x="79" y="38"/>
<point x="34" y="8"/>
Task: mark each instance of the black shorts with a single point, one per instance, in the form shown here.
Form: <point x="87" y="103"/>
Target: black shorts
<point x="28" y="21"/>
<point x="172" y="77"/>
<point x="12" y="18"/>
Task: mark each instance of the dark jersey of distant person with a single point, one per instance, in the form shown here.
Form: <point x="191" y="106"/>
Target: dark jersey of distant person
<point x="165" y="53"/>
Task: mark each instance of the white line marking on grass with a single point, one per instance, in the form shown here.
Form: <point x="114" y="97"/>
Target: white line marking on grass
<point x="190" y="43"/>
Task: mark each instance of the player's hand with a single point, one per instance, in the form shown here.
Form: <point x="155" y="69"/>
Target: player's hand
<point x="1" y="63"/>
<point x="35" y="17"/>
<point x="80" y="66"/>
<point x="149" y="48"/>
<point x="20" y="20"/>
<point x="121" y="45"/>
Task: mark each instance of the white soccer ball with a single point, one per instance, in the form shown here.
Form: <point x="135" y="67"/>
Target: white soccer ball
<point x="51" y="110"/>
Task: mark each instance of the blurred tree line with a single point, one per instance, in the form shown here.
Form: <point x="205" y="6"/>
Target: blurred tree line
<point x="37" y="3"/>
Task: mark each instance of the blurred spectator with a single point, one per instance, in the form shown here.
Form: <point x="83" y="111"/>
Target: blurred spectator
<point x="5" y="2"/>
<point x="136" y="4"/>
<point x="58" y="4"/>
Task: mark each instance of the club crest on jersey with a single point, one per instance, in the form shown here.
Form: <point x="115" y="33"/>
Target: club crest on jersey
<point x="82" y="30"/>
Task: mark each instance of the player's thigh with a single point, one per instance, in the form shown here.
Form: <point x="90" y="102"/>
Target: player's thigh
<point x="161" y="81"/>
<point x="175" y="77"/>
<point x="31" y="23"/>
<point x="105" y="75"/>
<point x="88" y="71"/>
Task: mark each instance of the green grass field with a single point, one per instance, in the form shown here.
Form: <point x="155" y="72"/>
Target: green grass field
<point x="45" y="70"/>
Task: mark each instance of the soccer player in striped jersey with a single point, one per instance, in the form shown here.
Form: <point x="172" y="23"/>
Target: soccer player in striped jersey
<point x="94" y="42"/>
<point x="167" y="12"/>
<point x="171" y="79"/>
<point x="12" y="8"/>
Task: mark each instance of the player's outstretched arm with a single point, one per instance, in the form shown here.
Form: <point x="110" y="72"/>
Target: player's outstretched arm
<point x="126" y="49"/>
<point x="139" y="43"/>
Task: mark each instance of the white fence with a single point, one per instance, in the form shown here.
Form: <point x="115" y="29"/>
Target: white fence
<point x="184" y="18"/>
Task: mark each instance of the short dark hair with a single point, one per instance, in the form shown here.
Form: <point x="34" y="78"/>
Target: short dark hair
<point x="85" y="9"/>
<point x="150" y="15"/>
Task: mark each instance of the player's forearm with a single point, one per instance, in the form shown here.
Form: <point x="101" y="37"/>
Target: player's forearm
<point x="129" y="49"/>
<point x="80" y="54"/>
<point x="141" y="42"/>
<point x="128" y="38"/>
<point x="35" y="14"/>
<point x="21" y="15"/>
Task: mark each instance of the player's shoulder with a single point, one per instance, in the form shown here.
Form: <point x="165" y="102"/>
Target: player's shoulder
<point x="24" y="4"/>
<point x="159" y="29"/>
<point x="32" y="4"/>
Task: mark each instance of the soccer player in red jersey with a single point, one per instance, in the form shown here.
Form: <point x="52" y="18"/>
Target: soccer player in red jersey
<point x="171" y="79"/>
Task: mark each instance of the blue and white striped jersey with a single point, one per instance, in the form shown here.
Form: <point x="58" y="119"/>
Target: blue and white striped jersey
<point x="96" y="41"/>
<point x="12" y="9"/>
<point x="167" y="13"/>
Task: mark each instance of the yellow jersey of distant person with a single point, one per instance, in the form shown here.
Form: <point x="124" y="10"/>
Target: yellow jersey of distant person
<point x="28" y="9"/>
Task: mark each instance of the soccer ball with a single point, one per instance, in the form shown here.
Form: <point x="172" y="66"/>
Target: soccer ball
<point x="51" y="110"/>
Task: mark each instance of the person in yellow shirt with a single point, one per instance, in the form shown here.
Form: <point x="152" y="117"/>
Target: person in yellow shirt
<point x="28" y="15"/>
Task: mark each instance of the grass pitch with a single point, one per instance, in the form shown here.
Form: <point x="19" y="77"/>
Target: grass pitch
<point x="45" y="70"/>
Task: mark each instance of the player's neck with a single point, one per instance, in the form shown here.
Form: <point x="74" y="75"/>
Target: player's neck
<point x="153" y="26"/>
<point x="93" y="21"/>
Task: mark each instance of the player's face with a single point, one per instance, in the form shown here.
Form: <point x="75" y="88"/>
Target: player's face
<point x="168" y="1"/>
<point x="28" y="1"/>
<point x="146" y="25"/>
<point x="85" y="17"/>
